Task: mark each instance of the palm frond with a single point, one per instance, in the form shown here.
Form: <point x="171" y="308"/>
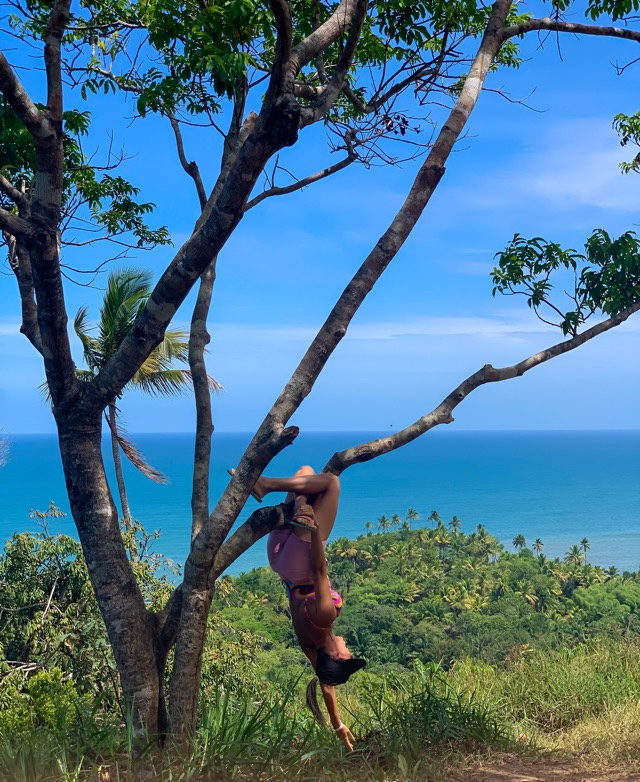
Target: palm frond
<point x="127" y="292"/>
<point x="214" y="386"/>
<point x="134" y="455"/>
<point x="167" y="382"/>
<point x="44" y="389"/>
<point x="175" y="345"/>
<point x="90" y="345"/>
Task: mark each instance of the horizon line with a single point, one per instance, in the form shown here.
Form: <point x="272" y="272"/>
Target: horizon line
<point x="379" y="432"/>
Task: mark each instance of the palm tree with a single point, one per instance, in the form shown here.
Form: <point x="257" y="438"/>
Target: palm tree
<point x="519" y="542"/>
<point x="585" y="545"/>
<point x="537" y="546"/>
<point x="454" y="525"/>
<point x="434" y="516"/>
<point x="384" y="523"/>
<point x="412" y="515"/>
<point x="574" y="556"/>
<point x="368" y="527"/>
<point x="396" y="521"/>
<point x="127" y="293"/>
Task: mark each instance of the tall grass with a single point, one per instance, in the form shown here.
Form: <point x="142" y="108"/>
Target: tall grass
<point x="550" y="691"/>
<point x="273" y="736"/>
<point x="404" y="723"/>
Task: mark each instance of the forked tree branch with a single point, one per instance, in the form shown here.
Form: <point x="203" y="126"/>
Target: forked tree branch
<point x="299" y="386"/>
<point x="263" y="520"/>
<point x="428" y="69"/>
<point x="555" y="25"/>
<point x="334" y="86"/>
<point x="190" y="167"/>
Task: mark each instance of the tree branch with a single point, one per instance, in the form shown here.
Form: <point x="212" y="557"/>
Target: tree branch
<point x="335" y="84"/>
<point x="12" y="192"/>
<point x="13" y="224"/>
<point x="325" y="35"/>
<point x="442" y="414"/>
<point x="20" y="264"/>
<point x="259" y="524"/>
<point x="34" y="120"/>
<point x="190" y="168"/>
<point x="309" y="180"/>
<point x="269" y="437"/>
<point x="429" y="175"/>
<point x="58" y="20"/>
<point x="281" y="72"/>
<point x="198" y="340"/>
<point x="555" y="25"/>
<point x="430" y="68"/>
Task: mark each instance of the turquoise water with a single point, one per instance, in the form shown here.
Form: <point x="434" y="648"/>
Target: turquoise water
<point x="558" y="486"/>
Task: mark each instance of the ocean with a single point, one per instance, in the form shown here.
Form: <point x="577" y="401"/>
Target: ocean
<point x="557" y="486"/>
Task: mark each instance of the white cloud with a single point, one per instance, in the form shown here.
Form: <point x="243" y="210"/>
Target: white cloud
<point x="572" y="166"/>
<point x="579" y="166"/>
<point x="512" y="325"/>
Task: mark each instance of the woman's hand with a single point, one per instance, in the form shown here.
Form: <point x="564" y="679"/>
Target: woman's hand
<point x="346" y="737"/>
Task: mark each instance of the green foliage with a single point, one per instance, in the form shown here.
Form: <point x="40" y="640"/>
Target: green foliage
<point x="628" y="128"/>
<point x="606" y="278"/>
<point x="466" y="643"/>
<point x="49" y="617"/>
<point x="440" y="594"/>
<point x="110" y="201"/>
<point x="54" y="651"/>
<point x="403" y="713"/>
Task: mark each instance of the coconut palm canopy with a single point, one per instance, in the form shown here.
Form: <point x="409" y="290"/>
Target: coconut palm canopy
<point x="126" y="295"/>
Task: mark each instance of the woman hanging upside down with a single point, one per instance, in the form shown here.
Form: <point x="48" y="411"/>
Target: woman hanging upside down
<point x="296" y="554"/>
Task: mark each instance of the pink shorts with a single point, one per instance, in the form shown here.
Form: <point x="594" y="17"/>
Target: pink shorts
<point x="290" y="557"/>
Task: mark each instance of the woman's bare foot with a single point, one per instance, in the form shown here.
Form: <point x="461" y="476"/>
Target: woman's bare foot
<point x="303" y="515"/>
<point x="259" y="490"/>
<point x="256" y="493"/>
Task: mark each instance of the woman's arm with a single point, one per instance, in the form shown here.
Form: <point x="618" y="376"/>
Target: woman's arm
<point x="331" y="702"/>
<point x="322" y="607"/>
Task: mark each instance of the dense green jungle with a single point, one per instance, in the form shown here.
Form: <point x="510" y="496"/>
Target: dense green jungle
<point x="469" y="646"/>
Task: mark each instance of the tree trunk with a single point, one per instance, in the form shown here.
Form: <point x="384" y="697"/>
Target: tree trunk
<point x="130" y="626"/>
<point x="117" y="463"/>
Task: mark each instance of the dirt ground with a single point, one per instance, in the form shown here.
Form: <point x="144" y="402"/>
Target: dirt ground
<point x="513" y="769"/>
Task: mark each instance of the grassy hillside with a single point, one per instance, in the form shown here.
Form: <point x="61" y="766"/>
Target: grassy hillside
<point x="470" y="647"/>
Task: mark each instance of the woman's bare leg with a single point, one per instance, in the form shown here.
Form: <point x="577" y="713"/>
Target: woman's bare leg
<point x="322" y="491"/>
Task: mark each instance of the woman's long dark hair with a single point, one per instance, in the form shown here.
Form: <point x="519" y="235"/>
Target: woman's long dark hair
<point x="312" y="701"/>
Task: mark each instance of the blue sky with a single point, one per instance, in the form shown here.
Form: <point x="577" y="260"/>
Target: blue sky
<point x="431" y="321"/>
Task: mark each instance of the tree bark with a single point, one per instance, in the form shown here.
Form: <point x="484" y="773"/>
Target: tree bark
<point x="131" y="628"/>
<point x="198" y="340"/>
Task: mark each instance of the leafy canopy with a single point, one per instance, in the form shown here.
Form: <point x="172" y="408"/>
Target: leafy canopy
<point x="606" y="278"/>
